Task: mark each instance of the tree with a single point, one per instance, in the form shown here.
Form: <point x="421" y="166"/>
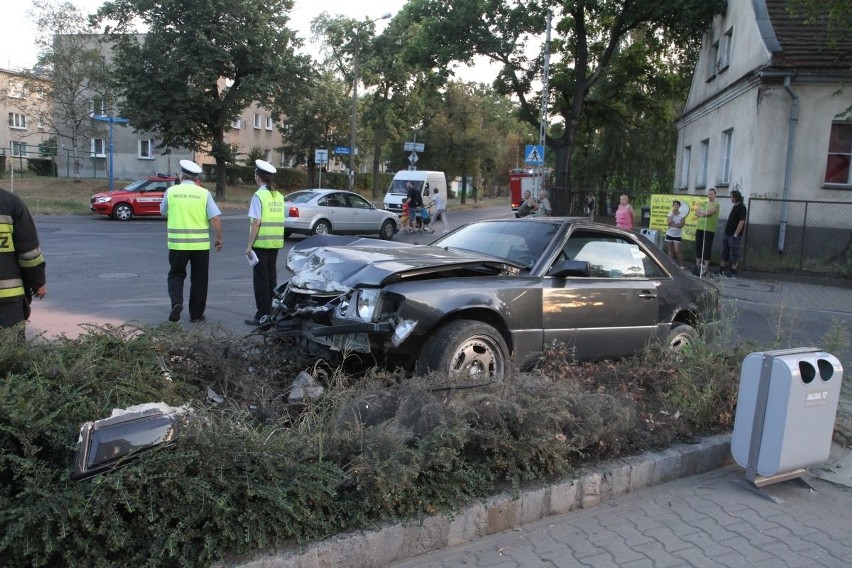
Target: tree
<point x="588" y="36"/>
<point x="70" y="75"/>
<point x="320" y="119"/>
<point x="203" y="62"/>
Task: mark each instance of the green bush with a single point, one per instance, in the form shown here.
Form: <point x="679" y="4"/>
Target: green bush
<point x="42" y="166"/>
<point x="257" y="472"/>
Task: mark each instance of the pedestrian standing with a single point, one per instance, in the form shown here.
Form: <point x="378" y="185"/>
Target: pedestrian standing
<point x="440" y="208"/>
<point x="733" y="236"/>
<point x="266" y="238"/>
<point x="624" y="215"/>
<point x="543" y="209"/>
<point x="189" y="210"/>
<point x="590" y="206"/>
<point x="707" y="215"/>
<point x="415" y="202"/>
<point x="22" y="266"/>
<point x="674" y="232"/>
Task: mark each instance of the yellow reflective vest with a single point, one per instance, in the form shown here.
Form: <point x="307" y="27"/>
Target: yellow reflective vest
<point x="188" y="227"/>
<point x="271" y="231"/>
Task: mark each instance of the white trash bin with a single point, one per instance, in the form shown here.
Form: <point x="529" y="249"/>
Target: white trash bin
<point x="786" y="409"/>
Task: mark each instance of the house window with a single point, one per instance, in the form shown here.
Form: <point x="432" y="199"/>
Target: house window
<point x="98" y="148"/>
<point x="257" y="121"/>
<point x="837" y="168"/>
<point x="17" y="120"/>
<point x="727" y="150"/>
<point x="701" y="178"/>
<point x="40" y="123"/>
<point x="269" y="123"/>
<point x="684" y="167"/>
<point x="16" y="90"/>
<point x="146" y="149"/>
<point x="237" y="124"/>
<point x="19" y="149"/>
<point x="98" y="106"/>
<point x="712" y="60"/>
<point x="725" y="51"/>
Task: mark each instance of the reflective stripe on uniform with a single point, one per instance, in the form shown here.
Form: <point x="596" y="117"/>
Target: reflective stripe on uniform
<point x="11" y="288"/>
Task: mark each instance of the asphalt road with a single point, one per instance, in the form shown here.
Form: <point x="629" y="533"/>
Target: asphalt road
<point x="102" y="271"/>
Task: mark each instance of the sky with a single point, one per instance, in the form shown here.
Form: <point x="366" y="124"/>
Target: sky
<point x="18" y="50"/>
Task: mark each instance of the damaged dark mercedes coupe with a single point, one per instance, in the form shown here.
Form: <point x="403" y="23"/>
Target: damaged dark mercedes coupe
<point x="487" y="298"/>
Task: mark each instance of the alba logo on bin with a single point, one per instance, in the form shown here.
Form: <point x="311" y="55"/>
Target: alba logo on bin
<point x="815" y="398"/>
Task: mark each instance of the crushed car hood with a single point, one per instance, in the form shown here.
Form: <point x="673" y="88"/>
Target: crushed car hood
<point x="338" y="264"/>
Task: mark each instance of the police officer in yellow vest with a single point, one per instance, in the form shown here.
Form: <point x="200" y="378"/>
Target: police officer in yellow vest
<point x="266" y="238"/>
<point x="190" y="210"/>
<point x="22" y="273"/>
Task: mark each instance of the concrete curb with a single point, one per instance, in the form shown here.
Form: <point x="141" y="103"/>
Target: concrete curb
<point x="590" y="486"/>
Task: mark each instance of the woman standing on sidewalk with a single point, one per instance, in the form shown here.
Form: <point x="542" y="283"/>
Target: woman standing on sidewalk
<point x="624" y="214"/>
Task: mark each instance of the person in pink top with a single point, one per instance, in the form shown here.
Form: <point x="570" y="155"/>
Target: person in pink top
<point x="624" y="214"/>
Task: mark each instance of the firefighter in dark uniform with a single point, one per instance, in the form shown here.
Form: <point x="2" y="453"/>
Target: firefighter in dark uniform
<point x="22" y="274"/>
<point x="266" y="238"/>
<point x="190" y="210"/>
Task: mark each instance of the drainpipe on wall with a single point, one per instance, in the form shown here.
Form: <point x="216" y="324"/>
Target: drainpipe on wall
<point x="788" y="166"/>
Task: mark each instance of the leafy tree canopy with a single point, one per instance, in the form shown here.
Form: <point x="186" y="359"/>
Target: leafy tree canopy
<point x="200" y="64"/>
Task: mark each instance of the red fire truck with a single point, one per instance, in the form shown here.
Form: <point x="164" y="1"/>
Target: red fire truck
<point x="521" y="180"/>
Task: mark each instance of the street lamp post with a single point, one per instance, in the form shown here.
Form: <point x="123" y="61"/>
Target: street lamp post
<point x="111" y="120"/>
<point x="355" y="100"/>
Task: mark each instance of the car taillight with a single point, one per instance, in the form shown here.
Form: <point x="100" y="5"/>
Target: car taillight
<point x="293" y="212"/>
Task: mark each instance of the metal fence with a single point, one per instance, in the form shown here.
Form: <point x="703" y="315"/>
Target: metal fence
<point x="817" y="237"/>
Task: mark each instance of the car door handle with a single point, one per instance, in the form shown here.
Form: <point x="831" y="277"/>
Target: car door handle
<point x="647" y="295"/>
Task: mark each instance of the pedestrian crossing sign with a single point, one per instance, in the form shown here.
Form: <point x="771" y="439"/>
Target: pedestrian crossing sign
<point x="534" y="155"/>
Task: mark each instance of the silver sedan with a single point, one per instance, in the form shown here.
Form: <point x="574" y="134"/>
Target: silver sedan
<point x="334" y="211"/>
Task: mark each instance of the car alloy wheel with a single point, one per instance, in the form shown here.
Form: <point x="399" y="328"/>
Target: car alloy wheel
<point x="122" y="212"/>
<point x="466" y="350"/>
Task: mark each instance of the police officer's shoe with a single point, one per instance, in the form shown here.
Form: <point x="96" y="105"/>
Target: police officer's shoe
<point x="253" y="321"/>
<point x="199" y="319"/>
<point x="174" y="315"/>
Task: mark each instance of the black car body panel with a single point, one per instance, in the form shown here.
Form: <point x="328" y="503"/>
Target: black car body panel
<point x="603" y="291"/>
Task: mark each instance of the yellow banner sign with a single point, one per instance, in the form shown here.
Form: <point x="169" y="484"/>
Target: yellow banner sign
<point x="661" y="206"/>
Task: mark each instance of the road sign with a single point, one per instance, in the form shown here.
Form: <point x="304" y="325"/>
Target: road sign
<point x="412" y="158"/>
<point x="414" y="147"/>
<point x="341" y="150"/>
<point x="321" y="156"/>
<point x="534" y="155"/>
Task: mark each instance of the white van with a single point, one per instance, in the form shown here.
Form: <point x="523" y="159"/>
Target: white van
<point x="424" y="181"/>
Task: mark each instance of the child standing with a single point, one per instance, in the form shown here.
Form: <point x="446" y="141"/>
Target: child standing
<point x="405" y="218"/>
<point x="674" y="233"/>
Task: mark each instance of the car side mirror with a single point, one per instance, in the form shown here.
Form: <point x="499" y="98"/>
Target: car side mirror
<point x="566" y="268"/>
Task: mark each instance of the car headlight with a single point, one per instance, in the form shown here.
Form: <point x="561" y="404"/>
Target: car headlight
<point x="102" y="200"/>
<point x="367" y="303"/>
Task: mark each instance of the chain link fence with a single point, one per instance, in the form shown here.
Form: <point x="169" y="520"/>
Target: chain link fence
<point x="816" y="238"/>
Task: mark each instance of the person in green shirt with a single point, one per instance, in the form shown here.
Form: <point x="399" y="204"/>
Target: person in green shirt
<point x="705" y="229"/>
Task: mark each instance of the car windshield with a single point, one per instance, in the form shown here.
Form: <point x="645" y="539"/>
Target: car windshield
<point x="400" y="186"/>
<point x="519" y="242"/>
<point x="300" y="196"/>
<point x="135" y="185"/>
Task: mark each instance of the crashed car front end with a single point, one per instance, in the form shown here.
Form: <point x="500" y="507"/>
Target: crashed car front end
<point x="345" y="296"/>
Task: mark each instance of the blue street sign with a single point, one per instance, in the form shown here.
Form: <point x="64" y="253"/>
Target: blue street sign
<point x="341" y="150"/>
<point x="534" y="155"/>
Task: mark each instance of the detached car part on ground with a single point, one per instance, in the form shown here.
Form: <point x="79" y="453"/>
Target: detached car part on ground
<point x="489" y="297"/>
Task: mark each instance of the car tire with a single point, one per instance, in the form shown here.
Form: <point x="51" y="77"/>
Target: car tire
<point x="467" y="350"/>
<point x="122" y="212"/>
<point x="680" y="336"/>
<point x="387" y="230"/>
<point x="322" y="227"/>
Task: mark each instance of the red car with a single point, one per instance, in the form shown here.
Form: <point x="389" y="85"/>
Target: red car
<point x="142" y="197"/>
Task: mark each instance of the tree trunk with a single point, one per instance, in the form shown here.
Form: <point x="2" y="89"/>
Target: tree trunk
<point x="219" y="154"/>
<point x="377" y="148"/>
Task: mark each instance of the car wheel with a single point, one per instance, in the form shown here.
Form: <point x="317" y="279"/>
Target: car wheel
<point x="466" y="349"/>
<point x="388" y="230"/>
<point x="322" y="227"/>
<point x="680" y="336"/>
<point x="122" y="212"/>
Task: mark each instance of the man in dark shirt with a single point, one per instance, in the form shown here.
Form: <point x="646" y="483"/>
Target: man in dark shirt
<point x="733" y="236"/>
<point x="415" y="202"/>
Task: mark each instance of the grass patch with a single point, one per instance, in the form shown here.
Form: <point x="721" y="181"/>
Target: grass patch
<point x="257" y="472"/>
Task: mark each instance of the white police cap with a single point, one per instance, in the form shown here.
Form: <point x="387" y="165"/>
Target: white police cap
<point x="190" y="167"/>
<point x="264" y="166"/>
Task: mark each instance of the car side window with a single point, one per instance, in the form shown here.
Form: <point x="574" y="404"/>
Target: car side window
<point x="335" y="200"/>
<point x="610" y="256"/>
<point x="358" y="202"/>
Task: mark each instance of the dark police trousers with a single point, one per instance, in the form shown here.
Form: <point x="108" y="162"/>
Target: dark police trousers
<point x="264" y="278"/>
<point x="199" y="262"/>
